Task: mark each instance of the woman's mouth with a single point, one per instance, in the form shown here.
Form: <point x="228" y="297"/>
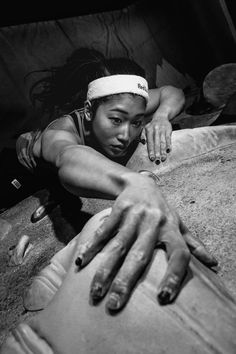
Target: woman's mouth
<point x="118" y="148"/>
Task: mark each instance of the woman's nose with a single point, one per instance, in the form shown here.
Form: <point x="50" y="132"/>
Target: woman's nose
<point x="124" y="133"/>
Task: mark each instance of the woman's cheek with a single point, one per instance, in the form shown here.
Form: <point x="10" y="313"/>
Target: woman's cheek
<point x="135" y="133"/>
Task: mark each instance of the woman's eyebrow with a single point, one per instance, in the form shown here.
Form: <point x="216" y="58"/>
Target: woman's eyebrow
<point x="121" y="110"/>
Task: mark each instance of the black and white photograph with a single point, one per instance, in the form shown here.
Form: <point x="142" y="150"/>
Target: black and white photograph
<point x="118" y="177"/>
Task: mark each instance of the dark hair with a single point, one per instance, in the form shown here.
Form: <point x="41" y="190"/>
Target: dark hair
<point x="65" y="88"/>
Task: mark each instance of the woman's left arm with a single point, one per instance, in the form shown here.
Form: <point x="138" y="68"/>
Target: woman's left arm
<point x="164" y="104"/>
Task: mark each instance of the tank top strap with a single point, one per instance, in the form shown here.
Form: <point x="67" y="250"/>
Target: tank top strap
<point x="75" y="119"/>
<point x="78" y="121"/>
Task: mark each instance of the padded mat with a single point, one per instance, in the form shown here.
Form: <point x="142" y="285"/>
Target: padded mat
<point x="202" y="187"/>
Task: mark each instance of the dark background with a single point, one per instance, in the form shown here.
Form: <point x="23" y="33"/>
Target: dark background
<point x="24" y="12"/>
<point x="192" y="35"/>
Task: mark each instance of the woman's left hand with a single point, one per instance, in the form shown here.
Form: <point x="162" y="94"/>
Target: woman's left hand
<point x="164" y="104"/>
<point x="158" y="135"/>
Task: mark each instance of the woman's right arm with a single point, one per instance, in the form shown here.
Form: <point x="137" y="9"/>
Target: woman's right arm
<point x="140" y="220"/>
<point x="82" y="170"/>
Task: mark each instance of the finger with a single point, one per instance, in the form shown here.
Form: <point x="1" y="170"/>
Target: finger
<point x="150" y="144"/>
<point x="168" y="142"/>
<point x="163" y="147"/>
<point x="135" y="262"/>
<point x="197" y="248"/>
<point x="157" y="146"/>
<point x="90" y="243"/>
<point x="178" y="259"/>
<point x="115" y="253"/>
<point x="143" y="137"/>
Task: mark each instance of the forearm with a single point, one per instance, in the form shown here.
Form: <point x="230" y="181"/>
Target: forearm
<point x="87" y="173"/>
<point x="171" y="102"/>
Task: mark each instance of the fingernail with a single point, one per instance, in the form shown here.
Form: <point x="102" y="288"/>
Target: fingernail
<point x="163" y="159"/>
<point x="113" y="302"/>
<point x="164" y="297"/>
<point x="157" y="162"/>
<point x="168" y="151"/>
<point x="143" y="141"/>
<point x="152" y="158"/>
<point x="78" y="262"/>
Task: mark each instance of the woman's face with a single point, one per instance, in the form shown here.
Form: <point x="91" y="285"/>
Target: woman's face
<point x="117" y="122"/>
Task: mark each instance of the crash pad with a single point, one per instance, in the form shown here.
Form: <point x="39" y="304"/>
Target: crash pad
<point x="201" y="320"/>
<point x="198" y="179"/>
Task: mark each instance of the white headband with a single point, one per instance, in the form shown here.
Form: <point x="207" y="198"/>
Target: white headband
<point x="114" y="84"/>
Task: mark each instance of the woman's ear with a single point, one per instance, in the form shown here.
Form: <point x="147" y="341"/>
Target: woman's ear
<point x="87" y="110"/>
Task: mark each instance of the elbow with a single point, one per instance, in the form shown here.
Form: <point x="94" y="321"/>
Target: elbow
<point x="175" y="92"/>
<point x="181" y="95"/>
<point x="174" y="96"/>
<point x="64" y="164"/>
<point x="181" y="98"/>
<point x="65" y="171"/>
<point x="62" y="158"/>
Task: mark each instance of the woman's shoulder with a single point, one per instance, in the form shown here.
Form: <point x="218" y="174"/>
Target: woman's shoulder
<point x="68" y="122"/>
<point x="63" y="122"/>
<point x="57" y="129"/>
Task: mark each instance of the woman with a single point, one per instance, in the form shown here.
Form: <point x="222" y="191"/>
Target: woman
<point x="87" y="150"/>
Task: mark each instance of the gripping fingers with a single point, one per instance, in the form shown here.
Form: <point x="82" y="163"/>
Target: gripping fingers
<point x="168" y="143"/>
<point x="92" y="240"/>
<point x="114" y="256"/>
<point x="150" y="144"/>
<point x="106" y="272"/>
<point x="197" y="248"/>
<point x="178" y="260"/>
<point x="163" y="147"/>
<point x="157" y="145"/>
<point x="135" y="263"/>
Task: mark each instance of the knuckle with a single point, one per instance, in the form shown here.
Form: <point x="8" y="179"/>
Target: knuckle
<point x="101" y="274"/>
<point x="119" y="286"/>
<point x="118" y="246"/>
<point x="84" y="248"/>
<point x="173" y="280"/>
<point x="99" y="231"/>
<point x="140" y="257"/>
<point x="162" y="144"/>
<point x="157" y="214"/>
<point x="138" y="209"/>
<point x="124" y="205"/>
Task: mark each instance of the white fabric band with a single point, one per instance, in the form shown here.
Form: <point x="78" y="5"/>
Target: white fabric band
<point x="114" y="84"/>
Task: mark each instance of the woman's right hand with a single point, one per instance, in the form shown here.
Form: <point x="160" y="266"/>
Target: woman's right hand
<point x="140" y="220"/>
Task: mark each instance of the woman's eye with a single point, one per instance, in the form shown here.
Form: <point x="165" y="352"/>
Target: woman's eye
<point x="115" y="120"/>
